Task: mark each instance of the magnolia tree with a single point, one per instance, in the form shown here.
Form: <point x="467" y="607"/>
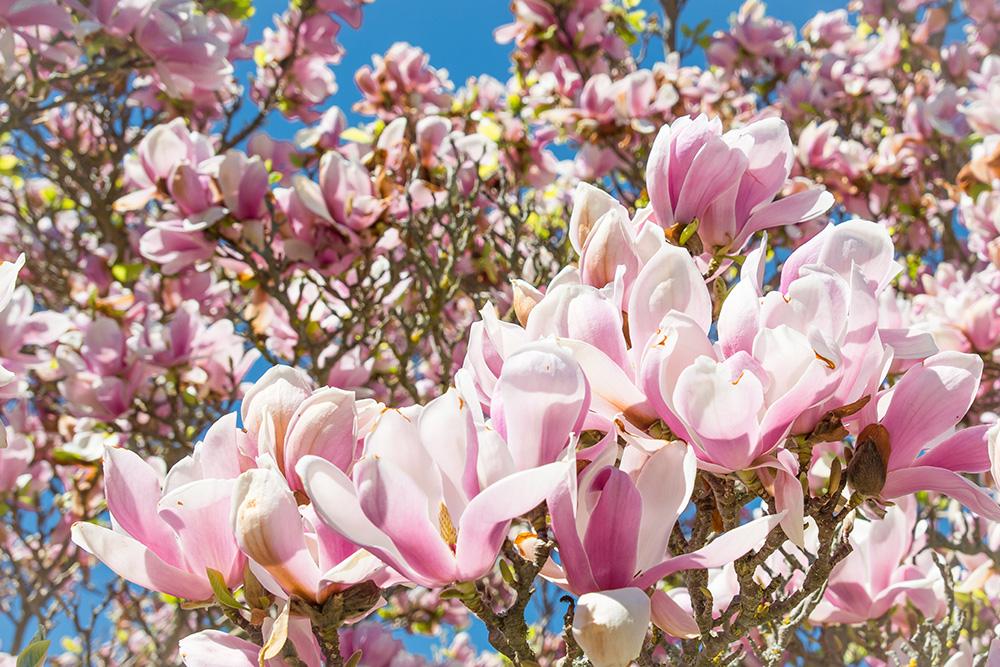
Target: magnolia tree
<point x="619" y="361"/>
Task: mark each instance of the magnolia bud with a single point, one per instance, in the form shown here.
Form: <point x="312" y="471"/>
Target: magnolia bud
<point x="268" y="528"/>
<point x="610" y="626"/>
<point x="867" y="469"/>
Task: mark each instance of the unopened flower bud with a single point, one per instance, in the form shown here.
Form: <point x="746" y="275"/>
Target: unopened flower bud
<point x="610" y="626"/>
<point x="867" y="469"/>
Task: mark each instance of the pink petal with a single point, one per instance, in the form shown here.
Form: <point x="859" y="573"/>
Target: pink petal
<point x="687" y="138"/>
<point x="447" y="431"/>
<point x="789" y="500"/>
<point x="543" y="397"/>
<point x="212" y="648"/>
<point x="714" y="170"/>
<point x="132" y="489"/>
<point x="396" y="437"/>
<point x="335" y="501"/>
<point x="929" y="400"/>
<point x="324" y="424"/>
<point x="613" y="389"/>
<point x="665" y="483"/>
<point x="770" y="157"/>
<point x="966" y="451"/>
<point x="268" y="528"/>
<point x="131" y="560"/>
<point x="850" y="597"/>
<point x="672" y="618"/>
<point x="669" y="281"/>
<point x="583" y="313"/>
<point x="612" y="535"/>
<point x="274" y="397"/>
<point x="791" y="210"/>
<point x="392" y="500"/>
<point x="484" y="523"/>
<point x="739" y="319"/>
<point x="675" y="346"/>
<point x="720" y="411"/>
<point x="199" y="513"/>
<point x="589" y="204"/>
<point x="562" y="506"/>
<point x="904" y="481"/>
<point x="909" y="344"/>
<point x="724" y="549"/>
<point x="657" y="177"/>
<point x="993" y="658"/>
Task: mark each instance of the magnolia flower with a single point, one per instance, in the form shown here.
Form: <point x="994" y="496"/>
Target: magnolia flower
<point x="287" y="419"/>
<point x="8" y="276"/>
<point x="726" y="182"/>
<point x="344" y="197"/>
<point x="175" y="246"/>
<point x="16" y="456"/>
<point x="244" y="184"/>
<point x="212" y="648"/>
<point x="165" y="532"/>
<point x="613" y="524"/>
<point x="437" y="487"/>
<point x="876" y="575"/>
<point x="162" y="151"/>
<point x="907" y="444"/>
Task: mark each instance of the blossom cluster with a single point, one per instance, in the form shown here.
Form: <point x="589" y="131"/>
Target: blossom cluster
<point x="625" y="359"/>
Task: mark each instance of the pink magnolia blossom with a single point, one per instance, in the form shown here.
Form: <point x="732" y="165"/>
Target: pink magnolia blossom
<point x="916" y="416"/>
<point x="286" y="418"/>
<point x="436" y="508"/>
<point x="189" y="58"/>
<point x="726" y="181"/>
<point x="875" y="576"/>
<point x="243" y="181"/>
<point x="165" y="531"/>
<point x="213" y="353"/>
<point x="105" y="376"/>
<point x="16" y="455"/>
<point x="613" y="524"/>
<point x="170" y="158"/>
<point x="176" y="246"/>
<point x="344" y="196"/>
<point x="212" y="648"/>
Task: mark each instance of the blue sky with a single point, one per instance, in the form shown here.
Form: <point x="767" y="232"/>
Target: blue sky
<point x="458" y="34"/>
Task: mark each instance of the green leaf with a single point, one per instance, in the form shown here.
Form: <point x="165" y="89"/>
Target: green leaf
<point x="977" y="189"/>
<point x="126" y="273"/>
<point x="222" y="592"/>
<point x="66" y="457"/>
<point x="34" y="654"/>
<point x="354" y="659"/>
